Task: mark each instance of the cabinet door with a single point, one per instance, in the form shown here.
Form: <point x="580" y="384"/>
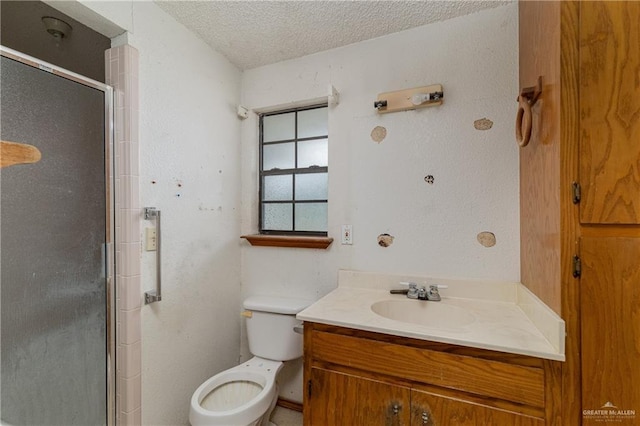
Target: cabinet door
<point x="610" y="305"/>
<point x="610" y="112"/>
<point x="436" y="410"/>
<point x="343" y="399"/>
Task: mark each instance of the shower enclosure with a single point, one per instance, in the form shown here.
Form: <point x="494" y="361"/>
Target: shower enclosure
<point x="56" y="263"/>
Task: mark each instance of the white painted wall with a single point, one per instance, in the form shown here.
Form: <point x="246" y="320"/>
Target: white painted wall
<point x="380" y="188"/>
<point x="189" y="147"/>
<point x="189" y="135"/>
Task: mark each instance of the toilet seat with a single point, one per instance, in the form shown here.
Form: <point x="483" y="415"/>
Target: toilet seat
<point x="240" y="405"/>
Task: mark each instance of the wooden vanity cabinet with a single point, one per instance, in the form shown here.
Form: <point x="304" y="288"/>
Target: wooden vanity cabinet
<point x="433" y="409"/>
<point x="580" y="194"/>
<point x="354" y="377"/>
<point x="347" y="399"/>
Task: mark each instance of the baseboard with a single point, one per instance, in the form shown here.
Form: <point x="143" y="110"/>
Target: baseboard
<point x="291" y="405"/>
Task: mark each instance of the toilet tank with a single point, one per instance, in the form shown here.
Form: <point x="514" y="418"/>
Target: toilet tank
<point x="270" y="327"/>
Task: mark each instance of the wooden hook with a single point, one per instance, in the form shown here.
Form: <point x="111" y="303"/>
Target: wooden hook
<point x="531" y="94"/>
<point x="13" y="153"/>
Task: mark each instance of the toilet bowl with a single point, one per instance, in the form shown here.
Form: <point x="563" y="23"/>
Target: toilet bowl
<point x="245" y="395"/>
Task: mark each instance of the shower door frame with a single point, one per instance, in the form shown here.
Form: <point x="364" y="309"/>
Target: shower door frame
<point x="110" y="307"/>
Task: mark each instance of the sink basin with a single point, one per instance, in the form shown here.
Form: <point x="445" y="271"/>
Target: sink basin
<point x="430" y="314"/>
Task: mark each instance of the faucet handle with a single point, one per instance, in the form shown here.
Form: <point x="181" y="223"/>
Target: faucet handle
<point x="412" y="293"/>
<point x="437" y="286"/>
<point x="434" y="294"/>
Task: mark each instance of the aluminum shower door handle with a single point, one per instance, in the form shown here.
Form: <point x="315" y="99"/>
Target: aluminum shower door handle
<point x="151" y="213"/>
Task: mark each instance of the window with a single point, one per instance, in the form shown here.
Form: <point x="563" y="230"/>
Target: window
<point x="294" y="171"/>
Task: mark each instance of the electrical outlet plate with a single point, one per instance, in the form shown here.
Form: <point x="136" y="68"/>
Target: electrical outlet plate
<point x="347" y="235"/>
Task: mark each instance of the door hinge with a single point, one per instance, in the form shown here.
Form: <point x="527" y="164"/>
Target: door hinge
<point x="309" y="388"/>
<point x="577" y="266"/>
<point x="576" y="192"/>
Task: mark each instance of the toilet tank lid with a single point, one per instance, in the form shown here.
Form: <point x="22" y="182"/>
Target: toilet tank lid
<point x="276" y="305"/>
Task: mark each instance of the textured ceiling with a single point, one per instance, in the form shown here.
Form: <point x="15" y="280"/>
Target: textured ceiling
<point x="255" y="33"/>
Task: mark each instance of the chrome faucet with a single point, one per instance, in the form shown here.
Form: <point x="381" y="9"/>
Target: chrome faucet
<point x="421" y="293"/>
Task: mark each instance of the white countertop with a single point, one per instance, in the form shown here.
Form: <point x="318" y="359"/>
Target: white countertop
<point x="503" y="317"/>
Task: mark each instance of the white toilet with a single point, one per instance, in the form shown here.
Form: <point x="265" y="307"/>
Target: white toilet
<point x="245" y="395"/>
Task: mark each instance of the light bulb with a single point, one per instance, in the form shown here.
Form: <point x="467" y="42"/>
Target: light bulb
<point x="419" y="98"/>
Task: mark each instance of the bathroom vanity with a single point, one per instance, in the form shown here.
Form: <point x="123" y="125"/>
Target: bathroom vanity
<point x="487" y="354"/>
<point x="355" y="377"/>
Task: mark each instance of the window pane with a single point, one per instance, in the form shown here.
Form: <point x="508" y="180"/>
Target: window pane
<point x="278" y="217"/>
<point x="311" y="186"/>
<point x="313" y="153"/>
<point x="311" y="217"/>
<point x="278" y="127"/>
<point x="312" y="122"/>
<point x="278" y="156"/>
<point x="277" y="188"/>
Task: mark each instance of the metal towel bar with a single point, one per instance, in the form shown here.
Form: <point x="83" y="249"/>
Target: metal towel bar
<point x="152" y="296"/>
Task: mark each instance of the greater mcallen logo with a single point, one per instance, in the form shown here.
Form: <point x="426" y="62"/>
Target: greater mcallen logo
<point x="609" y="413"/>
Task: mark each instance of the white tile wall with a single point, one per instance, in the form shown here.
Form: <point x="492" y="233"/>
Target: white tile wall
<point x="122" y="74"/>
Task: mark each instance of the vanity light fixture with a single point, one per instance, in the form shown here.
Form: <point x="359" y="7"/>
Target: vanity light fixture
<point x="408" y="99"/>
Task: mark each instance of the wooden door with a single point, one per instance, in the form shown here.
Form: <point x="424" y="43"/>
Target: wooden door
<point x="610" y="293"/>
<point x="430" y="409"/>
<point x="344" y="399"/>
<point x="610" y="112"/>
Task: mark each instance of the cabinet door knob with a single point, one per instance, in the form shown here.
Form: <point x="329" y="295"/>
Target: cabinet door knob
<point x="425" y="418"/>
<point x="396" y="409"/>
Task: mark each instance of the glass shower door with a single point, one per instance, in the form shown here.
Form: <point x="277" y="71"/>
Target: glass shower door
<point x="53" y="230"/>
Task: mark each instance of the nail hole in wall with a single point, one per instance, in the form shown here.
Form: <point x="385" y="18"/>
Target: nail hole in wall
<point x="487" y="239"/>
<point x="385" y="240"/>
<point x="483" y="124"/>
<point x="378" y="134"/>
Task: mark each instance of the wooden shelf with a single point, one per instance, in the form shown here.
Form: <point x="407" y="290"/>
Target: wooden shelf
<point x="288" y="241"/>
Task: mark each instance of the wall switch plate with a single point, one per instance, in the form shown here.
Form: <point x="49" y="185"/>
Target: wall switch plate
<point x="150" y="241"/>
<point x="347" y="235"/>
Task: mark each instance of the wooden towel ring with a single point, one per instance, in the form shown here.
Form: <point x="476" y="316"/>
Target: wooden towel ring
<point x="523" y="122"/>
<point x="527" y="98"/>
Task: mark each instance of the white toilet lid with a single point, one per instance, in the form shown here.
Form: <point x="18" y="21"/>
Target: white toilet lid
<point x="276" y="305"/>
